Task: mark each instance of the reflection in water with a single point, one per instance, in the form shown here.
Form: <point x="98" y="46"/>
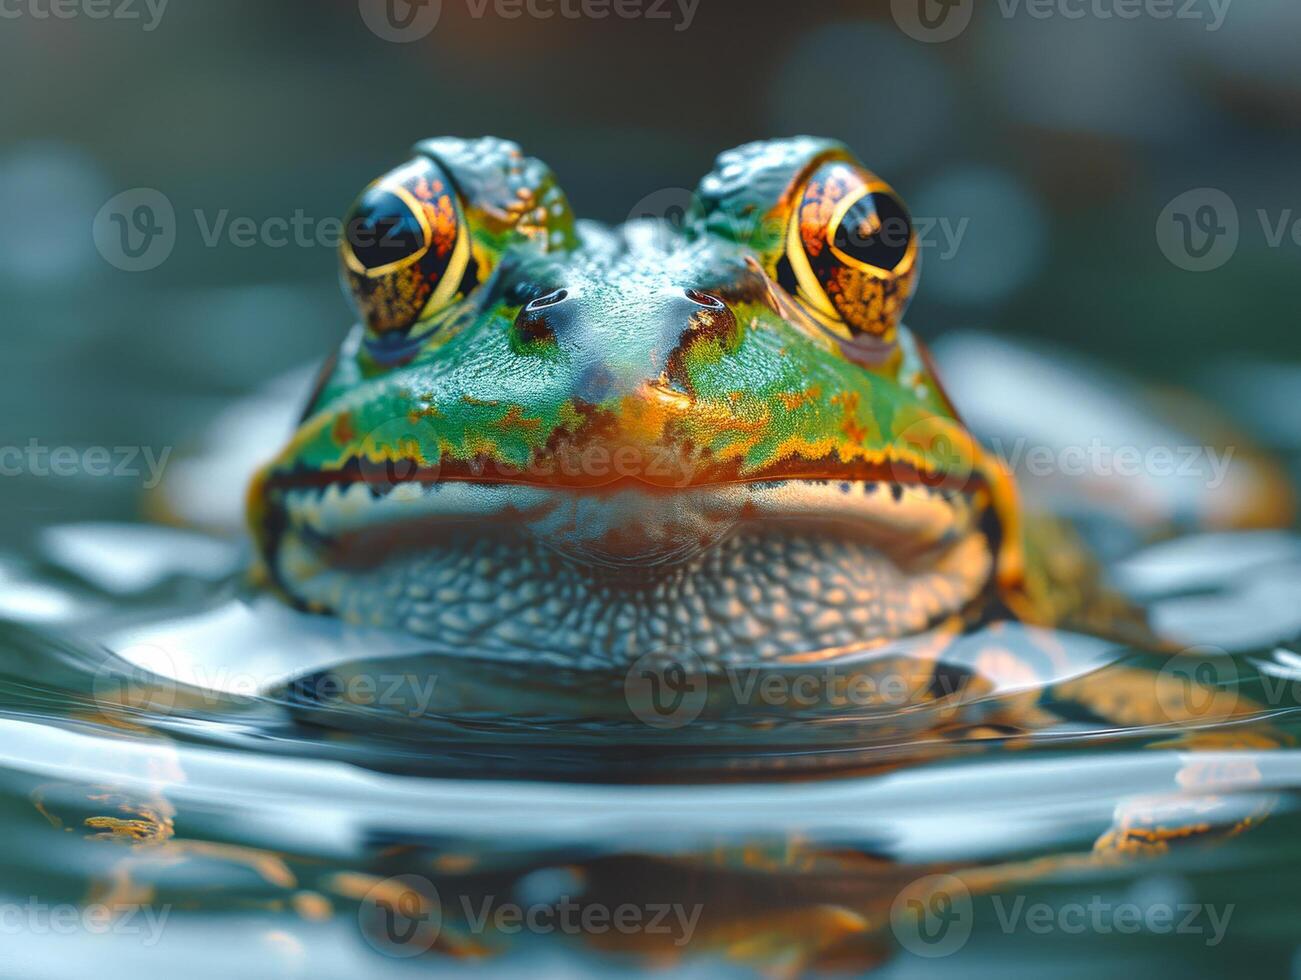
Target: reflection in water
<point x="230" y="785"/>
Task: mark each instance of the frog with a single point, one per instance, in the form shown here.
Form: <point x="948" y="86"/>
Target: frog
<point x="551" y="441"/>
<point x="564" y="448"/>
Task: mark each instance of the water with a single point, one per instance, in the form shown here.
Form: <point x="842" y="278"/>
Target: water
<point x="197" y="781"/>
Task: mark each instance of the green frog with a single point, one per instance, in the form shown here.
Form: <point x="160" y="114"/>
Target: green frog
<point x="555" y="442"/>
<point x="550" y="444"/>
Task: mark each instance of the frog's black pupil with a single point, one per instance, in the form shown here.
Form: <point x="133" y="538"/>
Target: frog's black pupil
<point x="886" y="244"/>
<point x="383" y="230"/>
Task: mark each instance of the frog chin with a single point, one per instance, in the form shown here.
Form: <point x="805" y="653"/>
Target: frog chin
<point x="736" y="573"/>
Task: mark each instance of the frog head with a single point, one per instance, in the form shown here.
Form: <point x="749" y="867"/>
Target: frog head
<point x="547" y="439"/>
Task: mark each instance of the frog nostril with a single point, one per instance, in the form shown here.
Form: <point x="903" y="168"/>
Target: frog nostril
<point x="707" y="300"/>
<point x="536" y="321"/>
<point x="545" y="302"/>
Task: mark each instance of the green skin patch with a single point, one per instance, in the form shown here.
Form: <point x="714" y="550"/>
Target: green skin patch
<point x="766" y="401"/>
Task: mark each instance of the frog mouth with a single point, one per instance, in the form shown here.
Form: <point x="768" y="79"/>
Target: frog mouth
<point x="593" y="576"/>
<point x="630" y="518"/>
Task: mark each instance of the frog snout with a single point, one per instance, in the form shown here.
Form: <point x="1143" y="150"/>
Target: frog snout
<point x="616" y="338"/>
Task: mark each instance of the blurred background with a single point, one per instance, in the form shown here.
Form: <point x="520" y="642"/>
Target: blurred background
<point x="1126" y="186"/>
<point x="1119" y="178"/>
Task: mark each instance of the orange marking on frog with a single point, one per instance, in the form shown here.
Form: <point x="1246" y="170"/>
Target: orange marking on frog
<point x="342" y="431"/>
<point x="515" y="419"/>
<point x="442" y="219"/>
<point x="798" y="399"/>
<point x="850" y="426"/>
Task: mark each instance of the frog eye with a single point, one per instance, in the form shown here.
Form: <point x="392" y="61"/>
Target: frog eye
<point x="406" y="250"/>
<point x="851" y="252"/>
<point x="828" y="230"/>
<point x="423" y="237"/>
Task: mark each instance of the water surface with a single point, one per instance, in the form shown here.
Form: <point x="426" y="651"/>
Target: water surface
<point x="195" y="778"/>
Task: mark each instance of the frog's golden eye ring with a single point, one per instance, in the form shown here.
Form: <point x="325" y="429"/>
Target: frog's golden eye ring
<point x="851" y="252"/>
<point x="406" y="251"/>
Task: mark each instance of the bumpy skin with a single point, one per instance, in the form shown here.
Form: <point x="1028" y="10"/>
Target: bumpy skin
<point x="590" y="443"/>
